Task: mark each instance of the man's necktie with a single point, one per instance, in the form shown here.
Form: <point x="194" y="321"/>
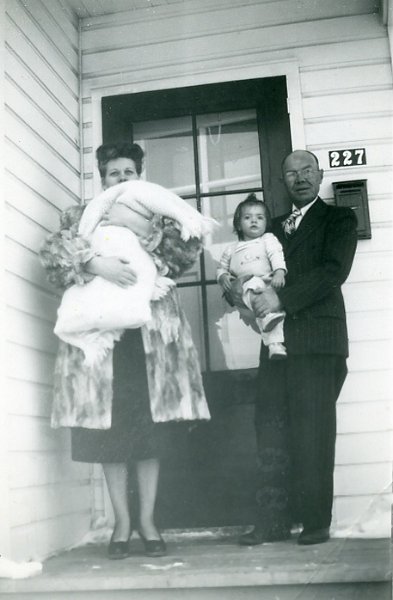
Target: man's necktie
<point x="289" y="225"/>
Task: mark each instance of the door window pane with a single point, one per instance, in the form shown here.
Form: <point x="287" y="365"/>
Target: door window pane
<point x="232" y="344"/>
<point x="228" y="151"/>
<point x="191" y="302"/>
<point x="228" y="160"/>
<point x="169" y="151"/>
<point x="194" y="273"/>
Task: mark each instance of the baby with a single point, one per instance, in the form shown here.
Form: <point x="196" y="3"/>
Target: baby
<point x="258" y="254"/>
<point x="93" y="316"/>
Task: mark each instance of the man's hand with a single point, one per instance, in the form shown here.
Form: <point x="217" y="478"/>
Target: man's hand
<point x="236" y="292"/>
<point x="225" y="281"/>
<point x="265" y="302"/>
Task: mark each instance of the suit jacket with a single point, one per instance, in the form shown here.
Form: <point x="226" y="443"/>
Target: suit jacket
<point x="319" y="257"/>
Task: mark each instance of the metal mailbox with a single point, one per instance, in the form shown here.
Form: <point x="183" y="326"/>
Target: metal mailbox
<point x="354" y="195"/>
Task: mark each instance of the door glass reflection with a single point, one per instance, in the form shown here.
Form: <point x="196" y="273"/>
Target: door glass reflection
<point x="228" y="151"/>
<point x="169" y="153"/>
<point x="191" y="302"/>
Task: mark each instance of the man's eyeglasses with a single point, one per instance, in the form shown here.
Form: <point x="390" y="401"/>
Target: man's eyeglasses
<point x="305" y="173"/>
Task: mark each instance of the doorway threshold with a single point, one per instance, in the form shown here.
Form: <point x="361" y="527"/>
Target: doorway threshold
<point x="209" y="564"/>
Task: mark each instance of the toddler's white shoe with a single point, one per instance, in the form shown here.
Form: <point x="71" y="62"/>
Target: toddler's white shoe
<point x="277" y="351"/>
<point x="271" y="320"/>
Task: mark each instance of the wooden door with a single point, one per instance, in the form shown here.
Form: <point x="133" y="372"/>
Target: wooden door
<point x="213" y="145"/>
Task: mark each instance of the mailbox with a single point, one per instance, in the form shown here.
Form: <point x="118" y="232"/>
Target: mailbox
<point x="354" y="195"/>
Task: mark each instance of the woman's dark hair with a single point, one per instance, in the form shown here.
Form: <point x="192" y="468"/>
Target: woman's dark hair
<point x="251" y="200"/>
<point x="108" y="152"/>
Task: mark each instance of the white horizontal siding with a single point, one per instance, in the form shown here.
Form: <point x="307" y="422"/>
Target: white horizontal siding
<point x="361" y="479"/>
<point x="29" y="364"/>
<point x="370" y="325"/>
<point x="348" y="77"/>
<point x="31" y="299"/>
<point x="188" y="49"/>
<point x="59" y="32"/>
<point x="363" y="515"/>
<point x="365" y="448"/>
<point x="29" y="19"/>
<point x="24" y="262"/>
<point x="47" y="502"/>
<point x="49" y="498"/>
<point x="32" y="144"/>
<point x="373" y="355"/>
<point x="367" y="416"/>
<point x="366" y="386"/>
<point x="31" y="331"/>
<point x="199" y="19"/>
<point x="348" y="105"/>
<point x="31" y="173"/>
<point x="45" y="468"/>
<point x="342" y="53"/>
<point x="29" y="202"/>
<point x="371" y="266"/>
<point x="26" y="398"/>
<point x="46" y="537"/>
<point x="56" y="112"/>
<point x="37" y="120"/>
<point x="365" y="297"/>
<point x="57" y="80"/>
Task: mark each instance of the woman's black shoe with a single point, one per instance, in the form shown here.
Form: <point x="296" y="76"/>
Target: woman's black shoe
<point x="153" y="548"/>
<point x="118" y="550"/>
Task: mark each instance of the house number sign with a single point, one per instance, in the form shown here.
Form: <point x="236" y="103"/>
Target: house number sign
<point x="347" y="158"/>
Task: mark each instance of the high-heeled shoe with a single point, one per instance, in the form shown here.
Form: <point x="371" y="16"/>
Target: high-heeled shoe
<point x="118" y="550"/>
<point x="153" y="548"/>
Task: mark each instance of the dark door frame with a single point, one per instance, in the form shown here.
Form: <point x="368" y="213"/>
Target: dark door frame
<point x="267" y="95"/>
<point x="208" y="470"/>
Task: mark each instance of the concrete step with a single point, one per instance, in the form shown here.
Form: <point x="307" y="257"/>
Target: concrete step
<point x="202" y="565"/>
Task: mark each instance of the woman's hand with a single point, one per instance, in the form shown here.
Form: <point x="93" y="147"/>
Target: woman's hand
<point x="123" y="216"/>
<point x="112" y="269"/>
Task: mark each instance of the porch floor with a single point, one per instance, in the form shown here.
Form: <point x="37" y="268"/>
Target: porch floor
<point x="207" y="560"/>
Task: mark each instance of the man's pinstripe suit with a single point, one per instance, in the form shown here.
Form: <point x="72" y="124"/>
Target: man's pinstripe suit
<point x="295" y="409"/>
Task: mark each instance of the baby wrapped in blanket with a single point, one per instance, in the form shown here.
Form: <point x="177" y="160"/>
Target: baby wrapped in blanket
<point x="94" y="315"/>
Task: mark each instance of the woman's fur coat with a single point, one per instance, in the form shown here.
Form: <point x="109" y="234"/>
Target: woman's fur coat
<point x="83" y="397"/>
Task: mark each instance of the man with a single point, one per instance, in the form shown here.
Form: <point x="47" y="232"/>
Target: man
<point x="296" y="403"/>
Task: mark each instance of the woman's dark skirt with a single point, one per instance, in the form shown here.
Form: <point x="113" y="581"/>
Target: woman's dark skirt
<point x="133" y="435"/>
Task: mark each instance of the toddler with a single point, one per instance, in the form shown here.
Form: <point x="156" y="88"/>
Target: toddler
<point x="259" y="254"/>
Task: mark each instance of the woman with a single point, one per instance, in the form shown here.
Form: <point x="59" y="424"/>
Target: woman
<point x="110" y="409"/>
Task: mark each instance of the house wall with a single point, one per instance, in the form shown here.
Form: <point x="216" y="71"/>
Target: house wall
<point x="48" y="496"/>
<point x="340" y="97"/>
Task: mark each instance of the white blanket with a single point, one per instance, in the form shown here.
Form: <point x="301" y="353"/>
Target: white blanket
<point x="94" y="315"/>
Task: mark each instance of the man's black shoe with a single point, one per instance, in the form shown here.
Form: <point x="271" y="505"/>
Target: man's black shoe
<point x="260" y="536"/>
<point x="313" y="536"/>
